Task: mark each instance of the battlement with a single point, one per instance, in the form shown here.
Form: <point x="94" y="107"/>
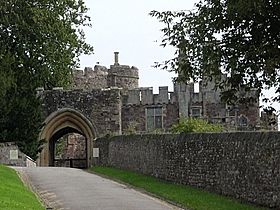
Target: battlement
<point x="121" y="76"/>
<point x="145" y="96"/>
<point x="88" y="72"/>
<point x="90" y="78"/>
<point x="124" y="71"/>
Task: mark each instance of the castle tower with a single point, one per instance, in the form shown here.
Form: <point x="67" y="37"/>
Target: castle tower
<point x="122" y="76"/>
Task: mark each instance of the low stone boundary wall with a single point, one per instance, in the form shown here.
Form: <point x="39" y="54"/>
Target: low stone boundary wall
<point x="30" y="162"/>
<point x="243" y="165"/>
<point x="11" y="155"/>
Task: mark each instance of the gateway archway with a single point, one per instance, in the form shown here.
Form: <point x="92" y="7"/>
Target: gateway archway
<point x="60" y="123"/>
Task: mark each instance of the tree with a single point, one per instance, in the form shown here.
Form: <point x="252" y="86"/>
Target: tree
<point x="40" y="41"/>
<point x="193" y="125"/>
<point x="238" y="38"/>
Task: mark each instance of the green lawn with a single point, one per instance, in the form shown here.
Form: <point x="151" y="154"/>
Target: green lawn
<point x="13" y="194"/>
<point x="186" y="196"/>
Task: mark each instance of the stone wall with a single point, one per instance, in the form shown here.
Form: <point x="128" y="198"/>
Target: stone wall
<point x="135" y="115"/>
<point x="205" y="104"/>
<point x="89" y="78"/>
<point x="11" y="155"/>
<point x="243" y="165"/>
<point x="145" y="96"/>
<point x="123" y="76"/>
<point x="136" y="101"/>
<point x="212" y="108"/>
<point x="70" y="151"/>
<point x="75" y="147"/>
<point x="101" y="107"/>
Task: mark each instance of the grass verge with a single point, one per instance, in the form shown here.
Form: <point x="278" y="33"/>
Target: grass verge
<point x="14" y="194"/>
<point x="185" y="196"/>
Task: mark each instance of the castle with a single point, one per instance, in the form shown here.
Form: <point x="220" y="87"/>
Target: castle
<point x="105" y="101"/>
<point x="143" y="111"/>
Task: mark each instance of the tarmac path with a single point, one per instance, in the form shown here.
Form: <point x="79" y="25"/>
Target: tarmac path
<point x="75" y="189"/>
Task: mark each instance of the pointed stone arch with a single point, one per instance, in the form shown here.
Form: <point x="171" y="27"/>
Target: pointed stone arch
<point x="61" y="122"/>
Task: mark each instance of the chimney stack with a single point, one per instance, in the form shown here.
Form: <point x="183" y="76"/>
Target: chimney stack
<point x="116" y="58"/>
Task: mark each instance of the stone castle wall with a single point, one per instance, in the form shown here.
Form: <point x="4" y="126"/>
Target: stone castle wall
<point x="135" y="115"/>
<point x="136" y="101"/>
<point x="89" y="78"/>
<point x="205" y="104"/>
<point x="11" y="155"/>
<point x="243" y="165"/>
<point x="101" y="107"/>
<point x="121" y="76"/>
<point x="72" y="151"/>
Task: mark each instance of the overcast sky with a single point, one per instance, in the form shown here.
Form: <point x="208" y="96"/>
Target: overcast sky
<point x="125" y="26"/>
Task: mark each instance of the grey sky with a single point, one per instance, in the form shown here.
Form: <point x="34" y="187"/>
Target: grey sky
<point x="125" y="26"/>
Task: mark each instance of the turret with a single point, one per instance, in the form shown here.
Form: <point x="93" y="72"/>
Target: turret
<point x="122" y="76"/>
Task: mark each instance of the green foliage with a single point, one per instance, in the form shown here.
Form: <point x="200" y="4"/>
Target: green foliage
<point x="185" y="196"/>
<point x="60" y="146"/>
<point x="20" y="120"/>
<point x="40" y="41"/>
<point x="238" y="38"/>
<point x="191" y="125"/>
<point x="14" y="195"/>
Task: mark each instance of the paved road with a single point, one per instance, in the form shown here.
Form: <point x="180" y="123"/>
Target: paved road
<point x="68" y="188"/>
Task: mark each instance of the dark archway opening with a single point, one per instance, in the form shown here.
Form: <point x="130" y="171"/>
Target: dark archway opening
<point x="68" y="148"/>
<point x="59" y="123"/>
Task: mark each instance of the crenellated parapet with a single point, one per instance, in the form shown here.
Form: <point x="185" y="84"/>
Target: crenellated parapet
<point x="145" y="96"/>
<point x="121" y="76"/>
<point x="90" y="78"/>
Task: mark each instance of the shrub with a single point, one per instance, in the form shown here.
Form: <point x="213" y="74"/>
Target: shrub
<point x="192" y="125"/>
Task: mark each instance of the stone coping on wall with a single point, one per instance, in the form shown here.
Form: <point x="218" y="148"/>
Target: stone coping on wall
<point x="11" y="155"/>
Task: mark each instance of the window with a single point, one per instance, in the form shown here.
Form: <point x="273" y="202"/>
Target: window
<point x="243" y="121"/>
<point x="153" y="118"/>
<point x="196" y="112"/>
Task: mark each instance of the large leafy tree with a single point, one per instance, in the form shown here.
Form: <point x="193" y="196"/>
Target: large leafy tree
<point x="40" y="41"/>
<point x="238" y="38"/>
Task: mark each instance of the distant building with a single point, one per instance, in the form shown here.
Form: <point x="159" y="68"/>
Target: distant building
<point x="143" y="111"/>
<point x="105" y="101"/>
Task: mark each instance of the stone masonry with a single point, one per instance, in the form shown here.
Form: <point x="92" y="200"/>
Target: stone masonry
<point x="11" y="155"/>
<point x="121" y="76"/>
<point x="114" y="103"/>
<point x="70" y="151"/>
<point x="244" y="165"/>
<point x="101" y="107"/>
<point x="183" y="102"/>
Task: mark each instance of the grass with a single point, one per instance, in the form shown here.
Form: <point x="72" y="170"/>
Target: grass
<point x="187" y="197"/>
<point x="14" y="194"/>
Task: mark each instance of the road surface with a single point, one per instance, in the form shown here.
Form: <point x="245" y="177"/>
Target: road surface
<point x="75" y="189"/>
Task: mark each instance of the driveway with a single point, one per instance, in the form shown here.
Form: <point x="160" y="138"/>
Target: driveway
<point x="69" y="188"/>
